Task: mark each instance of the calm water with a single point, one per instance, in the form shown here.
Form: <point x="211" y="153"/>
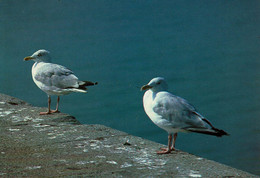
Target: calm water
<point x="209" y="52"/>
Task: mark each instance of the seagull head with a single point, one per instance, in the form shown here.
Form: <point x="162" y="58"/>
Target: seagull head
<point x="156" y="84"/>
<point x="41" y="55"/>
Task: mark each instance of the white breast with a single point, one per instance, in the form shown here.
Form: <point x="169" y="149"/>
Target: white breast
<point x="160" y="121"/>
<point x="35" y="66"/>
<point x="148" y="102"/>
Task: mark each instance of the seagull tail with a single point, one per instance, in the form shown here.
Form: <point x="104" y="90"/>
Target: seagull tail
<point x="220" y="133"/>
<point x="214" y="132"/>
<point x="77" y="90"/>
<point x="83" y="84"/>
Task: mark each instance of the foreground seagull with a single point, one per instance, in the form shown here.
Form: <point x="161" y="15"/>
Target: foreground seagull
<point x="173" y="114"/>
<point x="54" y="79"/>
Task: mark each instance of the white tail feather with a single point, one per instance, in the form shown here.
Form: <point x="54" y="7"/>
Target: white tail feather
<point x="77" y="90"/>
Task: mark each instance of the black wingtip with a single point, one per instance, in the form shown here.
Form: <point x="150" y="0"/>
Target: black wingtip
<point x="88" y="83"/>
<point x="220" y="133"/>
<point x="214" y="132"/>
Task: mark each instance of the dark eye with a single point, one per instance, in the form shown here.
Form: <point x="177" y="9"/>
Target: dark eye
<point x="39" y="54"/>
<point x="158" y="83"/>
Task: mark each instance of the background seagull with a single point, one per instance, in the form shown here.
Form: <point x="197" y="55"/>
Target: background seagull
<point x="54" y="79"/>
<point x="174" y="114"/>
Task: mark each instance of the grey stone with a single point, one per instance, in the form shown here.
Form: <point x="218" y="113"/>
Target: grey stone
<point x="57" y="145"/>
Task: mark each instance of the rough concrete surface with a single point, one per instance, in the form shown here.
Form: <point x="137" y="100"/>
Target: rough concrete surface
<point x="58" y="145"/>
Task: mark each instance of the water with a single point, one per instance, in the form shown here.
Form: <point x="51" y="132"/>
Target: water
<point x="207" y="50"/>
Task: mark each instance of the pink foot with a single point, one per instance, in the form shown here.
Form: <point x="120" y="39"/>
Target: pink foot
<point x="45" y="113"/>
<point x="55" y="111"/>
<point x="49" y="112"/>
<point x="165" y="151"/>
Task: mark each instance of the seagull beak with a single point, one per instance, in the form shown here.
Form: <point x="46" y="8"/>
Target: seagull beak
<point x="28" y="58"/>
<point x="146" y="87"/>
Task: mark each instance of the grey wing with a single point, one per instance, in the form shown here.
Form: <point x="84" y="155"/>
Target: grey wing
<point x="56" y="75"/>
<point x="178" y="111"/>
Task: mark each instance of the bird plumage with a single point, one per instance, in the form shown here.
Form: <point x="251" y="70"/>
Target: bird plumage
<point x="54" y="79"/>
<point x="173" y="113"/>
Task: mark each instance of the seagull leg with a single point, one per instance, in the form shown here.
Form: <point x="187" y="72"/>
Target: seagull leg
<point x="166" y="150"/>
<point x="49" y="107"/>
<point x="173" y="142"/>
<point x="57" y="106"/>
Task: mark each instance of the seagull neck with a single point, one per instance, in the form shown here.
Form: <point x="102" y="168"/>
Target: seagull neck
<point x="157" y="90"/>
<point x="36" y="63"/>
<point x="154" y="93"/>
<point x="44" y="61"/>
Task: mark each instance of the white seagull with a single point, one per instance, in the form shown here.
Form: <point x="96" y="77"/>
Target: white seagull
<point x="54" y="79"/>
<point x="173" y="114"/>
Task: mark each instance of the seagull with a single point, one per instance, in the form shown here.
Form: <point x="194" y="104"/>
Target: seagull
<point x="54" y="79"/>
<point x="173" y="113"/>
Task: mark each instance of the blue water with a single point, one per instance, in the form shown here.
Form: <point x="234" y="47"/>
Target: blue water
<point x="209" y="52"/>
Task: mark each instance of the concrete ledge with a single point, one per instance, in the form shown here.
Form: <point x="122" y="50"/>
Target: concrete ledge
<point x="58" y="145"/>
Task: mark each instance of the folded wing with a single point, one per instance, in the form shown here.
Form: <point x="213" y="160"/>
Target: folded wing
<point x="183" y="115"/>
<point x="55" y="75"/>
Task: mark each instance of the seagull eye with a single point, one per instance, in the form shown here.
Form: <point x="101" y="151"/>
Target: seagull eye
<point x="158" y="83"/>
<point x="39" y="54"/>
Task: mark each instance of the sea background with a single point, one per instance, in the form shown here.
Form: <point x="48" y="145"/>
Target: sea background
<point x="208" y="51"/>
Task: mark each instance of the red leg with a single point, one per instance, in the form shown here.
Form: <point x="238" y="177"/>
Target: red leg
<point x="173" y="142"/>
<point x="166" y="150"/>
<point x="49" y="107"/>
<point x="57" y="106"/>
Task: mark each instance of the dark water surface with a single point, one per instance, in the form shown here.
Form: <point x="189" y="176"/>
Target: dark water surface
<point x="209" y="52"/>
